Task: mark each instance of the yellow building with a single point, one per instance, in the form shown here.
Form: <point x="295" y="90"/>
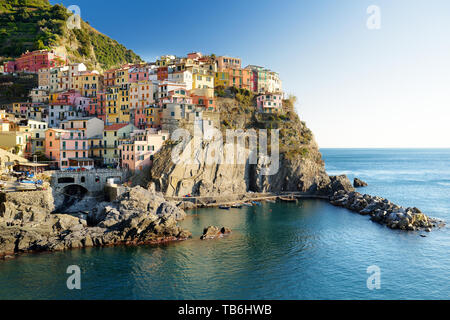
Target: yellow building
<point x="96" y="147"/>
<point x="153" y="116"/>
<point x="112" y="104"/>
<point x="88" y="84"/>
<point x="124" y="106"/>
<point x="15" y="142"/>
<point x="221" y="79"/>
<point x="112" y="137"/>
<point x="122" y="77"/>
<point x="202" y="78"/>
<point x="165" y="61"/>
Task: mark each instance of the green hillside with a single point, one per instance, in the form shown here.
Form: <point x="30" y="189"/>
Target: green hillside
<point x="36" y="24"/>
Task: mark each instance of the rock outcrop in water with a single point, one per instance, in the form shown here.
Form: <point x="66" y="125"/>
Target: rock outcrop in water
<point x="384" y="211"/>
<point x="213" y="232"/>
<point x="358" y="183"/>
<point x="138" y="217"/>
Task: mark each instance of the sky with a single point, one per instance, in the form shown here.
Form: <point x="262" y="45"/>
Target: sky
<point x="356" y="87"/>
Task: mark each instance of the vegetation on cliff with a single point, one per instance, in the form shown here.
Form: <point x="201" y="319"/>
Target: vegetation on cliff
<point x="237" y="111"/>
<point x="36" y="24"/>
<point x="16" y="88"/>
<point x="300" y="166"/>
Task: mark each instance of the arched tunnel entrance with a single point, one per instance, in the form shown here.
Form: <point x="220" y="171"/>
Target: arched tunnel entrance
<point x="71" y="194"/>
<point x="75" y="190"/>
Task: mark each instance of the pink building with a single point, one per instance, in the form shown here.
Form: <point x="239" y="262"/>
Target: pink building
<point x="68" y="148"/>
<point x="269" y="103"/>
<point x="24" y="107"/>
<point x="139" y="73"/>
<point x="36" y="60"/>
<point x="82" y="104"/>
<point x="139" y="117"/>
<point x="68" y="97"/>
<point x="138" y="152"/>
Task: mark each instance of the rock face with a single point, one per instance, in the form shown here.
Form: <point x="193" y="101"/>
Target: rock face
<point x="357" y="183"/>
<point x="213" y="232"/>
<point x="385" y="212"/>
<point x="137" y="217"/>
<point x="205" y="177"/>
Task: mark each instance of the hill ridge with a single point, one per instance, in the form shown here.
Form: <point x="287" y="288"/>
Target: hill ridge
<point x="36" y="24"/>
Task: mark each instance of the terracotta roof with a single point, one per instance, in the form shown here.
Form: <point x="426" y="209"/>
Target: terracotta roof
<point x="116" y="126"/>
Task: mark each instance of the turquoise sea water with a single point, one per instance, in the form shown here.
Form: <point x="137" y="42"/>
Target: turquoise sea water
<point x="278" y="251"/>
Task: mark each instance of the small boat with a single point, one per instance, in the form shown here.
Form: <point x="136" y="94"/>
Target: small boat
<point x="256" y="203"/>
<point x="271" y="201"/>
<point x="248" y="205"/>
<point x="237" y="206"/>
<point x="224" y="207"/>
<point x="288" y="199"/>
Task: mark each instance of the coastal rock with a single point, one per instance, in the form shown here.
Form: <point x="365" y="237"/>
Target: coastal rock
<point x="213" y="232"/>
<point x="204" y="175"/>
<point x="340" y="183"/>
<point x="358" y="183"/>
<point x="186" y="205"/>
<point x="385" y="212"/>
<point x="138" y="217"/>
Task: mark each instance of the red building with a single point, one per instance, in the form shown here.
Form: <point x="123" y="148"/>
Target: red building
<point x="163" y="73"/>
<point x="10" y="66"/>
<point x="36" y="60"/>
<point x="205" y="102"/>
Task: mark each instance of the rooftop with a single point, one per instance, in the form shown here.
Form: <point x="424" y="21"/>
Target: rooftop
<point x="116" y="126"/>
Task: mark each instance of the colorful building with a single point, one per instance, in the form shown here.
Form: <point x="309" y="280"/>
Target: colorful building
<point x="88" y="83"/>
<point x="113" y="135"/>
<point x="225" y="63"/>
<point x="36" y="60"/>
<point x="137" y="152"/>
<point x="269" y="103"/>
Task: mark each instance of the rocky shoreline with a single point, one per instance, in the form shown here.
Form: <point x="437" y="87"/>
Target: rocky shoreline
<point x="385" y="212"/>
<point x="138" y="217"/>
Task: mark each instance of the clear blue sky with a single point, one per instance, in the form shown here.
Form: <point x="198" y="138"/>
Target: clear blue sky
<point x="356" y="87"/>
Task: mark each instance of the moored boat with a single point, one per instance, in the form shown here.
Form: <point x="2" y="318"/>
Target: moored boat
<point x="285" y="199"/>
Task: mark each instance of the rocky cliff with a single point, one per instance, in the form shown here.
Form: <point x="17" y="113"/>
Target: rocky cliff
<point x="301" y="167"/>
<point x="137" y="217"/>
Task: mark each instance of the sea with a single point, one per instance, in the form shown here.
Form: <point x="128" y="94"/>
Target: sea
<point x="309" y="250"/>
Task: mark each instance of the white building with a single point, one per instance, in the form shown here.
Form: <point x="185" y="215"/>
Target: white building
<point x="183" y="77"/>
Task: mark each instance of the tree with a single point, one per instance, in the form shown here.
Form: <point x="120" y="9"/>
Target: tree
<point x="39" y="45"/>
